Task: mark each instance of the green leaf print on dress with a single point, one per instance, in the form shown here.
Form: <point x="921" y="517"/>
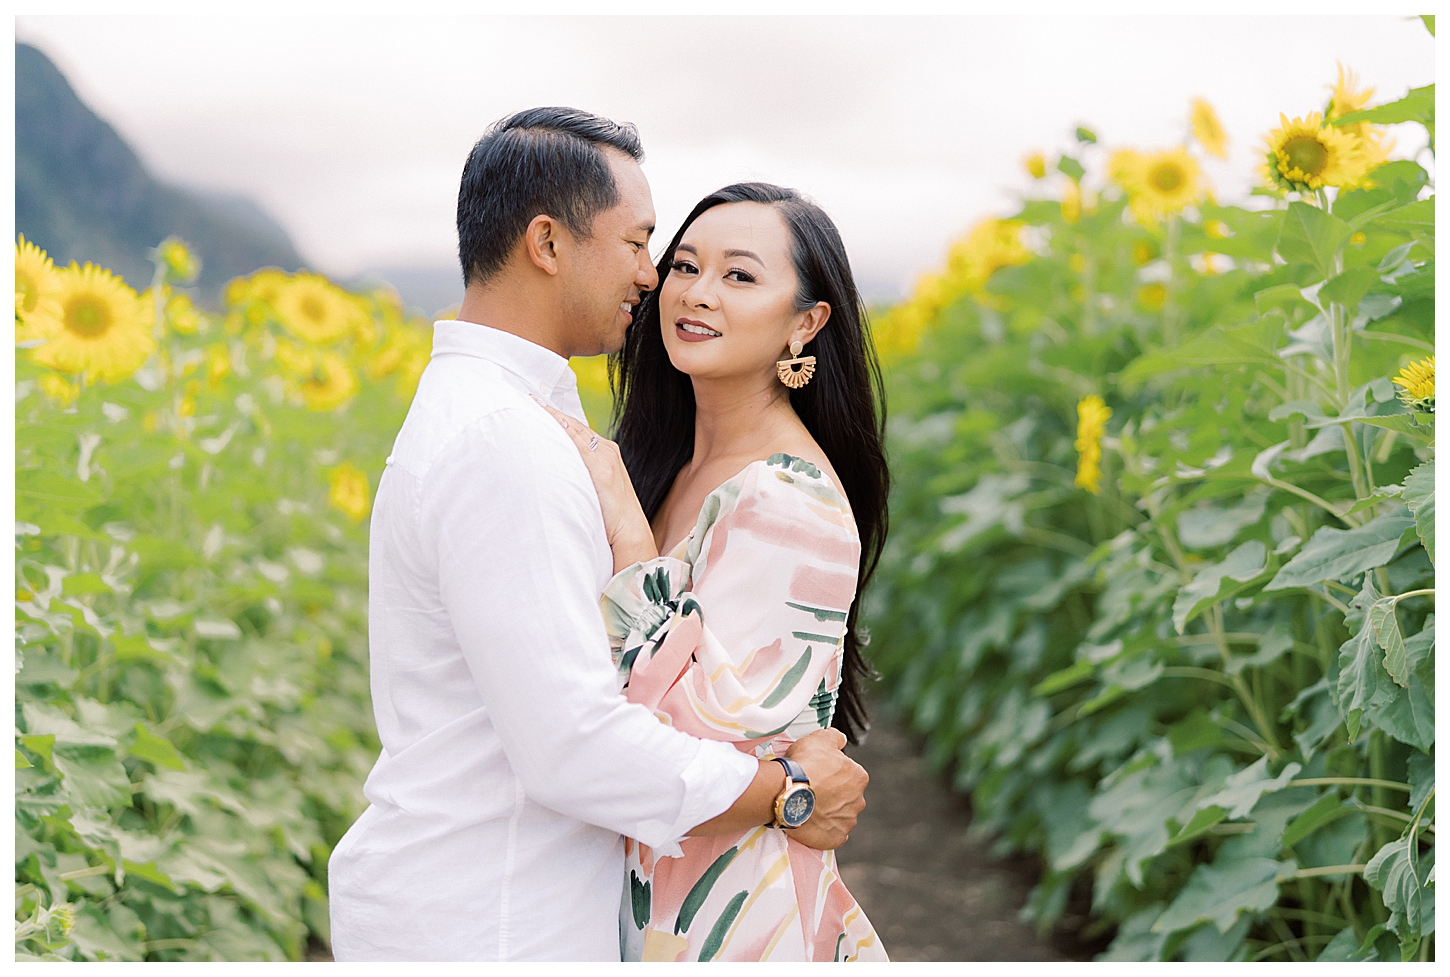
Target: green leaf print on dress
<point x="773" y="558"/>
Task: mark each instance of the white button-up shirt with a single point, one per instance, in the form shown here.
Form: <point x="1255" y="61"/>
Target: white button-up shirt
<point x="511" y="765"/>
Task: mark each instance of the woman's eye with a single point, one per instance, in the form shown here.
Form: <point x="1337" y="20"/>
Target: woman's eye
<point x="683" y="267"/>
<point x="740" y="276"/>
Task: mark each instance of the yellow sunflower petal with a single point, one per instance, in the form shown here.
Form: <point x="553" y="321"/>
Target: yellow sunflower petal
<point x="1417" y="385"/>
<point x="314" y="309"/>
<point x="103" y="330"/>
<point x="1158" y="184"/>
<point x="348" y="492"/>
<point x="1306" y="155"/>
<point x="37" y="290"/>
<point x="330" y="385"/>
<point x="1207" y="129"/>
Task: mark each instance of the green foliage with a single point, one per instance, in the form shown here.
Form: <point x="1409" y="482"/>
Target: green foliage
<point x="193" y="723"/>
<point x="1210" y="688"/>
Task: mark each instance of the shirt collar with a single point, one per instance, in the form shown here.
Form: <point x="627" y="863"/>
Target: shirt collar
<point x="542" y="370"/>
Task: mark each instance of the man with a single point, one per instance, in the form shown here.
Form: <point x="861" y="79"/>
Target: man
<point x="511" y="766"/>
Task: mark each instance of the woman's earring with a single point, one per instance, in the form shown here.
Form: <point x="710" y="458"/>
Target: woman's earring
<point x="797" y="372"/>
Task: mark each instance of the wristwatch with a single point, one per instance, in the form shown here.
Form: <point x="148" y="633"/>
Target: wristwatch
<point x="796" y="801"/>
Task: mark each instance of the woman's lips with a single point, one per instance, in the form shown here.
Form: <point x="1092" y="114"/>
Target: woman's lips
<point x="691" y="337"/>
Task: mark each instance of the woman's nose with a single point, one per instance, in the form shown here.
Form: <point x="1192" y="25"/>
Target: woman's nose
<point x="699" y="295"/>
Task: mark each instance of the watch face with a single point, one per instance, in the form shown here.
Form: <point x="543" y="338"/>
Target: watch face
<point x="798" y="806"/>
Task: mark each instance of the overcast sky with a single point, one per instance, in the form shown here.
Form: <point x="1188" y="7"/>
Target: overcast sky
<point x="352" y="131"/>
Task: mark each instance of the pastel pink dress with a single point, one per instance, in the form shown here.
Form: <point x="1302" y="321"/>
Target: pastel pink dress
<point x="736" y="635"/>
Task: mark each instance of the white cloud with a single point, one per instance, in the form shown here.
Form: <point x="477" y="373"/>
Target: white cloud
<point x="352" y="131"/>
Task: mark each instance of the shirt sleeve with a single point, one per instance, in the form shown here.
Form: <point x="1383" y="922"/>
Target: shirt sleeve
<point x="742" y="641"/>
<point x="503" y="494"/>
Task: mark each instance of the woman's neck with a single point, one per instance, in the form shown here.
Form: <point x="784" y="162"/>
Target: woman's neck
<point x="735" y="418"/>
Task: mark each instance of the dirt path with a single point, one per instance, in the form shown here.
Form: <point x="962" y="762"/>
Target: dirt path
<point x="932" y="893"/>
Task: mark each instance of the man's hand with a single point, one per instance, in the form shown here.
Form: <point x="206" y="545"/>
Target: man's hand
<point x="839" y="784"/>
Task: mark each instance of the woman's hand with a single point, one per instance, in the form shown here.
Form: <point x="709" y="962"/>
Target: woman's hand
<point x="628" y="531"/>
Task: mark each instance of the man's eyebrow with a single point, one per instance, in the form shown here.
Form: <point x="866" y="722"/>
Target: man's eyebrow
<point x="740" y="253"/>
<point x="647" y="228"/>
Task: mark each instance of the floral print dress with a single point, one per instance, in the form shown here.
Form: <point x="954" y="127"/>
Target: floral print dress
<point x="736" y="635"/>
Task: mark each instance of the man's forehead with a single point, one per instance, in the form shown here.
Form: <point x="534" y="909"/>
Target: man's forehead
<point x="636" y="204"/>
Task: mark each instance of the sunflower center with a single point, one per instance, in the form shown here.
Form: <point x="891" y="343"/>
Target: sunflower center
<point x="312" y="308"/>
<point x="1306" y="154"/>
<point x="1166" y="177"/>
<point x="88" y="317"/>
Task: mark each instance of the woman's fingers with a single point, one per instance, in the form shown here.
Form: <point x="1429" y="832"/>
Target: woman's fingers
<point x="579" y="432"/>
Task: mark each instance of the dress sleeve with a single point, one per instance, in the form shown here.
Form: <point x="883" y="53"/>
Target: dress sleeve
<point x="741" y="641"/>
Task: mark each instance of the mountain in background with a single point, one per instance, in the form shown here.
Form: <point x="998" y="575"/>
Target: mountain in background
<point x="83" y="195"/>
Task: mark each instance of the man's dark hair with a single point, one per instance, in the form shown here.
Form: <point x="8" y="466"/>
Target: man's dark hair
<point x="538" y="161"/>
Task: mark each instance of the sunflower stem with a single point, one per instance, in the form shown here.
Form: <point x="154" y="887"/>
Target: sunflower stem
<point x="1170" y="305"/>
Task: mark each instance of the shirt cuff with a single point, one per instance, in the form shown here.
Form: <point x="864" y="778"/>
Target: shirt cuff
<point x="714" y="780"/>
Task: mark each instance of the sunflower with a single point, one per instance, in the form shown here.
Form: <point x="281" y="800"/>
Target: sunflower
<point x="404" y="355"/>
<point x="1374" y="141"/>
<point x="1072" y="202"/>
<point x="177" y="262"/>
<point x="263" y="285"/>
<point x="37" y="290"/>
<point x="1036" y="165"/>
<point x="183" y="316"/>
<point x="218" y="364"/>
<point x="899" y="331"/>
<point x="1207" y="129"/>
<point x="1158" y="184"/>
<point x="989" y="247"/>
<point x="1153" y="296"/>
<point x="314" y="309"/>
<point x="1305" y="155"/>
<point x="1092" y="420"/>
<point x="348" y="491"/>
<point x="1417" y="385"/>
<point x="295" y="360"/>
<point x="365" y="329"/>
<point x="330" y="384"/>
<point x="103" y="330"/>
<point x="61" y="391"/>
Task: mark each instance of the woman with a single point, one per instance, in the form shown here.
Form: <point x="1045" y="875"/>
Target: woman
<point x="764" y="483"/>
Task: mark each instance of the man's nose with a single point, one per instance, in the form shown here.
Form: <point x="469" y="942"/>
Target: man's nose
<point x="647" y="277"/>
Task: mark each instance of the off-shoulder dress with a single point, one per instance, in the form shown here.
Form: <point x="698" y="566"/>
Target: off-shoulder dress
<point x="736" y="635"/>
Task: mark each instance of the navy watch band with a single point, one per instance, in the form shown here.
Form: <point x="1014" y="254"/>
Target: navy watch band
<point x="792" y="769"/>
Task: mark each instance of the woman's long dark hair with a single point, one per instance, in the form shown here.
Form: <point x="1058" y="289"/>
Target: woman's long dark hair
<point x="843" y="407"/>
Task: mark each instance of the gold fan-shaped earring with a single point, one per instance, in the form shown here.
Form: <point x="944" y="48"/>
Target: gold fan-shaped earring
<point x="796" y="372"/>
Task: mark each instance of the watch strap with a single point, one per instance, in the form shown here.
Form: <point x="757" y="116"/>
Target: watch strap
<point x="793" y="770"/>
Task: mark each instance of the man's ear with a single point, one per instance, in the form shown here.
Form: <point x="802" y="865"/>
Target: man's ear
<point x="541" y="243"/>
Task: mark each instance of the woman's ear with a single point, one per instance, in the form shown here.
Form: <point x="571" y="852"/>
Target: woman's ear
<point x="541" y="243"/>
<point x="815" y="317"/>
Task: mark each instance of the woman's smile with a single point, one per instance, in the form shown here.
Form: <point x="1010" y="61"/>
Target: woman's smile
<point x="693" y="331"/>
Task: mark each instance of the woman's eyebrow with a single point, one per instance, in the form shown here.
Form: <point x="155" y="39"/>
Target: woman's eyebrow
<point x="740" y="253"/>
<point x="687" y="247"/>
